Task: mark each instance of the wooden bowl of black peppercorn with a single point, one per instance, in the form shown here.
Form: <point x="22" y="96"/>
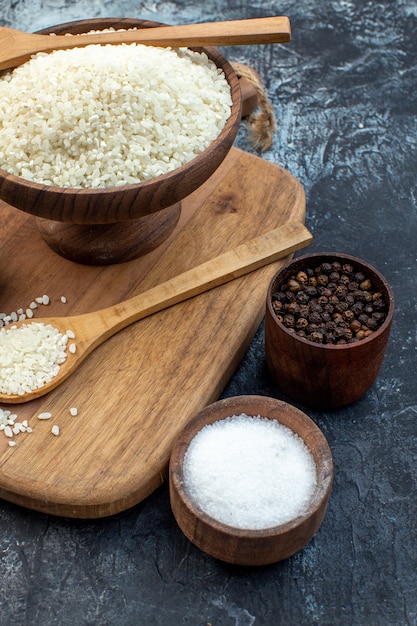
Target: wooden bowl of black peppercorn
<point x="327" y="324"/>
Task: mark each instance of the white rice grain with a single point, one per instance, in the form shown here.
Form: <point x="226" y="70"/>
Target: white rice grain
<point x="30" y="356"/>
<point x="103" y="116"/>
<point x="44" y="416"/>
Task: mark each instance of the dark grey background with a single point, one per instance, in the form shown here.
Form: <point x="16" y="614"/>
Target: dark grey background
<point x="344" y="97"/>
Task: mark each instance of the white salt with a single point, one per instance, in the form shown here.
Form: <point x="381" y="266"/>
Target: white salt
<point x="249" y="472"/>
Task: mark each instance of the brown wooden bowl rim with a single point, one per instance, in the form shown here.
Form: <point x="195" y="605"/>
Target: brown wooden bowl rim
<point x="247" y="404"/>
<point x="336" y="256"/>
<point x="235" y="111"/>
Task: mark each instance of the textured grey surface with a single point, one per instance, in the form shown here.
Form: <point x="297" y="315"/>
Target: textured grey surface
<point x="345" y="101"/>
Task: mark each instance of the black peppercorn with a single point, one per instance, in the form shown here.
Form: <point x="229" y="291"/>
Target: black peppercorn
<point x="341" y="292"/>
<point x="301" y="323"/>
<point x="340" y="333"/>
<point x="316" y="336"/>
<point x="289" y="320"/>
<point x="379" y="305"/>
<point x="325" y="292"/>
<point x="302" y="277"/>
<point x="357" y="308"/>
<point x="294" y="285"/>
<point x="366" y="285"/>
<point x="348" y="316"/>
<point x="363" y="319"/>
<point x="322" y="279"/>
<point x="315" y="306"/>
<point x="293" y="308"/>
<point x="372" y="323"/>
<point x="329" y="304"/>
<point x="302" y="297"/>
<point x="341" y="307"/>
<point x="326" y="268"/>
<point x="314" y="317"/>
<point x="290" y="296"/>
<point x="279" y="297"/>
<point x="353" y="286"/>
<point x="311" y="291"/>
<point x="347" y="268"/>
<point x="378" y="316"/>
<point x="355" y="326"/>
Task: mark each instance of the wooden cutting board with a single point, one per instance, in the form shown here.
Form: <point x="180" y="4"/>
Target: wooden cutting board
<point x="136" y="392"/>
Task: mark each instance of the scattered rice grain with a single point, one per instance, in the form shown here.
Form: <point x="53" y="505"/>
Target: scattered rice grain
<point x="11" y="427"/>
<point x="44" y="416"/>
<point x="55" y="430"/>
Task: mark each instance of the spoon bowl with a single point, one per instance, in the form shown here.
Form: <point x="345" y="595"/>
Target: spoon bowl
<point x="92" y="329"/>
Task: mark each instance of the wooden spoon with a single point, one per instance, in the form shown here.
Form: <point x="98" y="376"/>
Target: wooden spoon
<point x="16" y="46"/>
<point x="92" y="329"/>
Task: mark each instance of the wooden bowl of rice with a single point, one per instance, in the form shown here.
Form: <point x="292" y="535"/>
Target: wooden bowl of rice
<point x="83" y="159"/>
<point x="250" y="478"/>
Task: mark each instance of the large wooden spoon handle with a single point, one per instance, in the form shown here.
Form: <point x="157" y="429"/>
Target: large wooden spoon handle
<point x="237" y="262"/>
<point x="17" y="47"/>
<point x="92" y="329"/>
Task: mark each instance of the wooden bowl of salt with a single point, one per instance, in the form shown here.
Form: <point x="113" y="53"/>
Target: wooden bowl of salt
<point x="250" y="478"/>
